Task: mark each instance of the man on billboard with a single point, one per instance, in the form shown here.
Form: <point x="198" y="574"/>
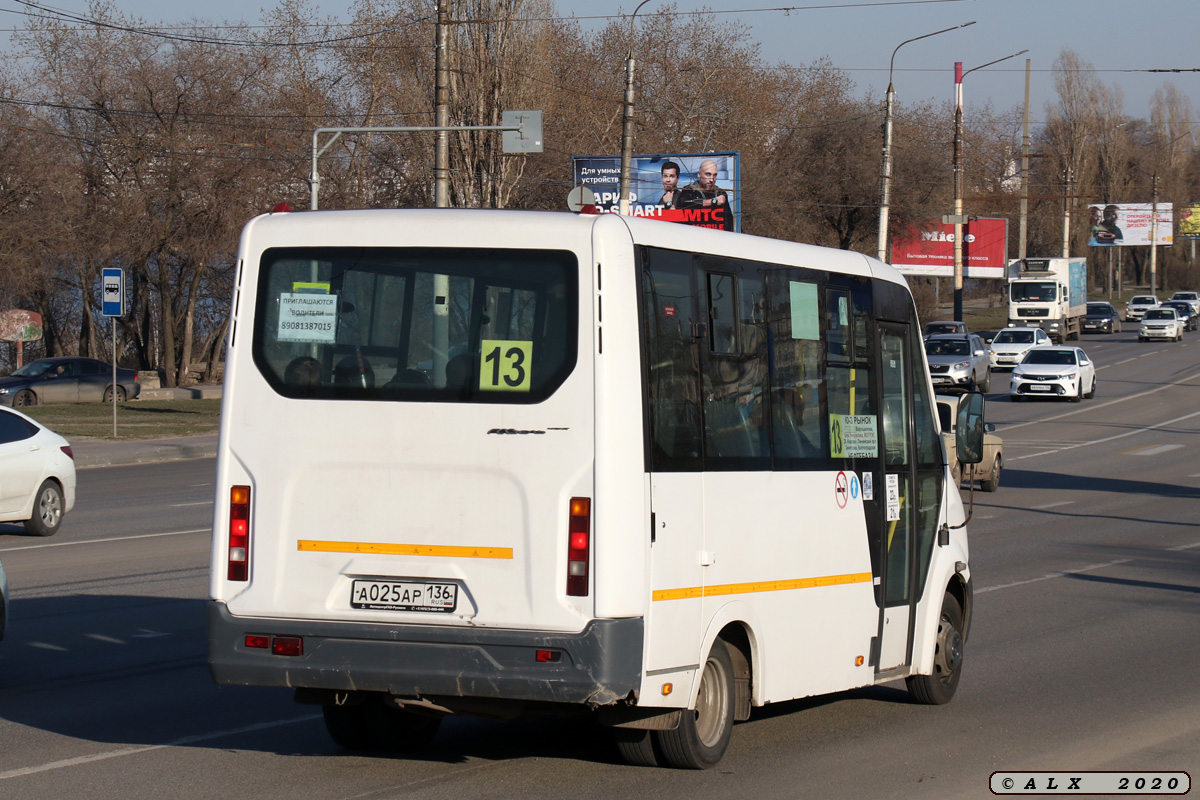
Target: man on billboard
<point x="670" y="182"/>
<point x="1107" y="231"/>
<point x="703" y="193"/>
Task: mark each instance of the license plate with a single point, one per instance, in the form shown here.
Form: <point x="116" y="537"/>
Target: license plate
<point x="404" y="595"/>
<point x="1039" y="387"/>
<point x="941" y="380"/>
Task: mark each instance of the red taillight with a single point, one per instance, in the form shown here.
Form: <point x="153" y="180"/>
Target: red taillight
<point x="287" y="646"/>
<point x="66" y="448"/>
<point x="579" y="530"/>
<point x="260" y="642"/>
<point x="239" y="533"/>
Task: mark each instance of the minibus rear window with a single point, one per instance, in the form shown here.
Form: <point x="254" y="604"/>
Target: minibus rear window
<point x="418" y="324"/>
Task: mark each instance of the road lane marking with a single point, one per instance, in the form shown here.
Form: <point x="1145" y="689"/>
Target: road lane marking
<point x="202" y="503"/>
<point x="103" y="541"/>
<point x="1062" y="574"/>
<point x="1150" y="450"/>
<point x="1109" y="438"/>
<point x="1183" y="547"/>
<point x="1053" y="505"/>
<point x="129" y="751"/>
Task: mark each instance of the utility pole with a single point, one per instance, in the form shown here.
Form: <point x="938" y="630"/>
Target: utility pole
<point x="441" y="145"/>
<point x="627" y="126"/>
<point x="1066" y="235"/>
<point x="958" y="191"/>
<point x="1154" y="235"/>
<point x="1024" y="224"/>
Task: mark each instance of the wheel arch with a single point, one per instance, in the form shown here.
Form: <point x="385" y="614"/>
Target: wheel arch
<point x="960" y="590"/>
<point x="734" y="625"/>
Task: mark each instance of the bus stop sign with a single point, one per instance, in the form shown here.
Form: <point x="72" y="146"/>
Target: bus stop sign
<point x="114" y="292"/>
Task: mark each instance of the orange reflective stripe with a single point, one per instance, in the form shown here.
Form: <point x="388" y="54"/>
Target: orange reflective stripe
<point x="379" y="548"/>
<point x="761" y="586"/>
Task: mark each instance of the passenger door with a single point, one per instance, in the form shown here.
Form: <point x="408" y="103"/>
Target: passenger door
<point x="20" y="462"/>
<point x="911" y="487"/>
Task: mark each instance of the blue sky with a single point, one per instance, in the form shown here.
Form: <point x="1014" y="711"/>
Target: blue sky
<point x="1117" y="38"/>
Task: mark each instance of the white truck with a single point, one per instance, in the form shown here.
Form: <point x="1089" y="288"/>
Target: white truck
<point x="1048" y="293"/>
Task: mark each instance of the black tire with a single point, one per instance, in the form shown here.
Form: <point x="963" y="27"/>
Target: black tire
<point x="1092" y="392"/>
<point x="992" y="482"/>
<point x="987" y="382"/>
<point x="48" y="510"/>
<point x="120" y="394"/>
<point x="636" y="747"/>
<point x="24" y="398"/>
<point x="703" y="736"/>
<point x="1078" y="396"/>
<point x="373" y="725"/>
<point x="939" y="688"/>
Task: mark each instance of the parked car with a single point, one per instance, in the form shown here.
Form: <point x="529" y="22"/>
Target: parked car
<point x="3" y="601"/>
<point x="1160" y="323"/>
<point x="37" y="474"/>
<point x="67" y="379"/>
<point x="1101" y="317"/>
<point x="945" y="326"/>
<point x="987" y="471"/>
<point x="1009" y="346"/>
<point x="1138" y="305"/>
<point x="1183" y="309"/>
<point x="1191" y="298"/>
<point x="958" y="361"/>
<point x="1054" y="372"/>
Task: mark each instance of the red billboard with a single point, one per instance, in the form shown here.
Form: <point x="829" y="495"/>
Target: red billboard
<point x="931" y="251"/>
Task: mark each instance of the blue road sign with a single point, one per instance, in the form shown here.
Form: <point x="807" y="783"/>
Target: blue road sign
<point x="114" y="292"/>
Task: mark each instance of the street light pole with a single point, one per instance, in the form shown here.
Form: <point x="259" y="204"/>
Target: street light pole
<point x="627" y="128"/>
<point x="958" y="177"/>
<point x="885" y="170"/>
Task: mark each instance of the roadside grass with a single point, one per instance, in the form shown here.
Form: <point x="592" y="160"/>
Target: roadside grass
<point x="137" y="419"/>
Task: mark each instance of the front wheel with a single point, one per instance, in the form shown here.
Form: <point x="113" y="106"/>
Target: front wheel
<point x="1078" y="396"/>
<point x="120" y="394"/>
<point x="986" y="383"/>
<point x="939" y="688"/>
<point x="24" y="398"/>
<point x="992" y="482"/>
<point x="1092" y="391"/>
<point x="703" y="735"/>
<point x="48" y="510"/>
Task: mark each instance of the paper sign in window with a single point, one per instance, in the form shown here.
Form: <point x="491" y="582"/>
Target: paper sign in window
<point x="805" y="324"/>
<point x="310" y="318"/>
<point x="853" y="436"/>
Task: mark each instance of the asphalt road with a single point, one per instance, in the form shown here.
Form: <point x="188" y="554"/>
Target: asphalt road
<point x="1082" y="655"/>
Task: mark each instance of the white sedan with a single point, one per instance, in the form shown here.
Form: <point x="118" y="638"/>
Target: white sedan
<point x="1054" y="372"/>
<point x="1161" y="323"/>
<point x="37" y="474"/>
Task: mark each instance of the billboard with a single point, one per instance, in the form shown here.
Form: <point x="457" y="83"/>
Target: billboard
<point x="1127" y="224"/>
<point x="706" y="192"/>
<point x="1189" y="221"/>
<point x="931" y="251"/>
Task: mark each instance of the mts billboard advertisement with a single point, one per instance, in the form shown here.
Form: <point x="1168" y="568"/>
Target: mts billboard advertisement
<point x="701" y="189"/>
<point x="1124" y="224"/>
<point x="931" y="251"/>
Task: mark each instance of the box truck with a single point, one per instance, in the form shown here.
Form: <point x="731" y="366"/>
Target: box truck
<point x="1048" y="293"/>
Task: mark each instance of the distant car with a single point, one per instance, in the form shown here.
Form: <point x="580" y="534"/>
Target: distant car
<point x="1054" y="372"/>
<point x="1009" y="346"/>
<point x="935" y="328"/>
<point x="1183" y="309"/>
<point x="1191" y="298"/>
<point x="37" y="474"/>
<point x="1101" y="318"/>
<point x="958" y="361"/>
<point x="66" y="379"/>
<point x="1139" y="305"/>
<point x="3" y="601"/>
<point x="987" y="471"/>
<point x="1160" y="323"/>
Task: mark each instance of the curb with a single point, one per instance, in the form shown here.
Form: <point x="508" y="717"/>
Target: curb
<point x="114" y="454"/>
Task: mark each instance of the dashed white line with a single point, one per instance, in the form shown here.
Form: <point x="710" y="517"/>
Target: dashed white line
<point x="103" y="541"/>
<point x="1054" y="575"/>
<point x="1053" y="505"/>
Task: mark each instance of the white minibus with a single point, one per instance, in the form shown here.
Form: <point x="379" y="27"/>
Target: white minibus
<point x="499" y="462"/>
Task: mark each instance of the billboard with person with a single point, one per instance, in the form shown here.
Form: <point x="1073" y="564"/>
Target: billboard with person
<point x="1125" y="224"/>
<point x="702" y="189"/>
<point x="1189" y="221"/>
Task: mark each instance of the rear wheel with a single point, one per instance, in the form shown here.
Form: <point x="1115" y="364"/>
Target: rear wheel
<point x="24" y="398"/>
<point x="47" y="510"/>
<point x="375" y="725"/>
<point x="120" y="394"/>
<point x="635" y="746"/>
<point x="939" y="687"/>
<point x="992" y="482"/>
<point x="703" y="735"/>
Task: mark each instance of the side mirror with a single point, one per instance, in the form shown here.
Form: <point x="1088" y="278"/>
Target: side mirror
<point x="969" y="428"/>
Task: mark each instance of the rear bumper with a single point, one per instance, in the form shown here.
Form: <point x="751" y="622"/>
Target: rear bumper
<point x="598" y="666"/>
